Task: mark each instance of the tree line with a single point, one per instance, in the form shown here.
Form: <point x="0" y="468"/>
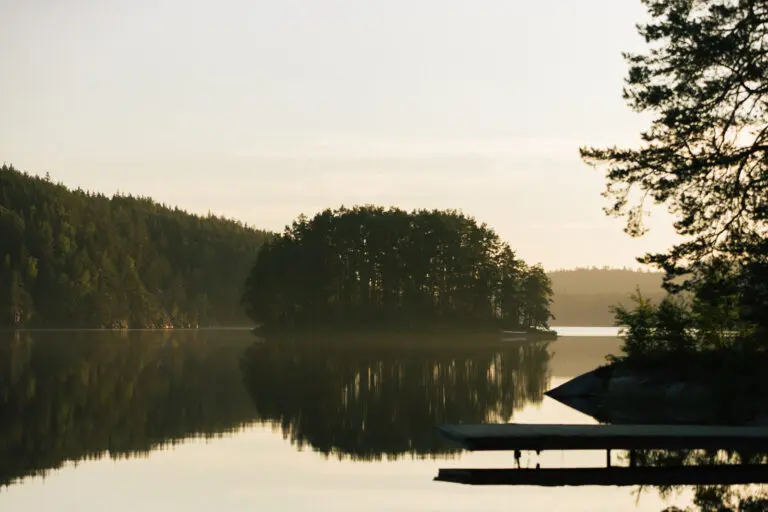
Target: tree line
<point x="371" y="265"/>
<point x="78" y="259"/>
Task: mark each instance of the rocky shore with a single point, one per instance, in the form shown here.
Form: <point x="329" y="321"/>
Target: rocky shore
<point x="619" y="393"/>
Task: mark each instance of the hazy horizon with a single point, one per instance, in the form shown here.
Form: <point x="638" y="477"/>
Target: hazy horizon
<point x="261" y="111"/>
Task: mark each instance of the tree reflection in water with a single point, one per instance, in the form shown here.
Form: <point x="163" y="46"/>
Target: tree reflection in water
<point x="68" y="396"/>
<point x="366" y="399"/>
<point x="72" y="396"/>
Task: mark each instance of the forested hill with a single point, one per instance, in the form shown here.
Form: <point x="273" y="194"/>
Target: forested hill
<point x="584" y="296"/>
<point x="70" y="258"/>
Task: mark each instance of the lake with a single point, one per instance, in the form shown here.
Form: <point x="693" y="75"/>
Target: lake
<point x="220" y="420"/>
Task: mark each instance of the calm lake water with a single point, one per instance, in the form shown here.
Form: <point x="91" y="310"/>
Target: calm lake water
<point x="218" y="420"/>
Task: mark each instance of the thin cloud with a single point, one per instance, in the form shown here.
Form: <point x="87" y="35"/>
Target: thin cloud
<point x="362" y="147"/>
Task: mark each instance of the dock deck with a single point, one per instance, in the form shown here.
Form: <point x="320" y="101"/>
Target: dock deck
<point x="517" y="436"/>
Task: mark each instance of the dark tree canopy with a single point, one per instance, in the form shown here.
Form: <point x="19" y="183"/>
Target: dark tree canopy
<point x="704" y="78"/>
<point x="76" y="259"/>
<point x="370" y="265"/>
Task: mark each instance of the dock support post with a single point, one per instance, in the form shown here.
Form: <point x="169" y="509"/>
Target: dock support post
<point x="632" y="458"/>
<point x="608" y="457"/>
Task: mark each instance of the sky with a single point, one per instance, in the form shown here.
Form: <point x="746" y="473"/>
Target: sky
<point x="261" y="110"/>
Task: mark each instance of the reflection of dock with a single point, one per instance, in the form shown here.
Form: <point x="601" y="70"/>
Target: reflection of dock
<point x="681" y="475"/>
<point x="515" y="436"/>
<point x="634" y="438"/>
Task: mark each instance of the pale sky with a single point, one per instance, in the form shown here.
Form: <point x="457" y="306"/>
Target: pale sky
<point x="263" y="110"/>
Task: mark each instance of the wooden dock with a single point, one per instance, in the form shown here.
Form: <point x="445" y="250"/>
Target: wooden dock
<point x="517" y="436"/>
<point x="616" y="476"/>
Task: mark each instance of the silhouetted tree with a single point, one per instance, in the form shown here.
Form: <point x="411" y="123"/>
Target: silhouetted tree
<point x="705" y="155"/>
<point x="705" y="81"/>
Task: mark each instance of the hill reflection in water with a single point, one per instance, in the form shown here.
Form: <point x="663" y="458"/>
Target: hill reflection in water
<point x="68" y="396"/>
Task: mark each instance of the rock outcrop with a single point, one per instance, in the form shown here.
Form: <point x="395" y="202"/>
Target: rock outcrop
<point x="619" y="394"/>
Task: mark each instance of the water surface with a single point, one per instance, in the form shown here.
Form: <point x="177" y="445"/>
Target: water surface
<point x="204" y="420"/>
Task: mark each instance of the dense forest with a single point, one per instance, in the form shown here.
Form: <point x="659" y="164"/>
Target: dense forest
<point x="387" y="266"/>
<point x="77" y="259"/>
<point x="585" y="296"/>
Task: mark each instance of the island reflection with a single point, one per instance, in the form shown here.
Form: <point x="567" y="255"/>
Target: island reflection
<point x="368" y="396"/>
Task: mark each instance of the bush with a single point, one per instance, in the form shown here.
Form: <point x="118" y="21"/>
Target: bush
<point x="721" y="306"/>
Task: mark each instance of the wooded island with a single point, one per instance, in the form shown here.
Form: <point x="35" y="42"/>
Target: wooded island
<point x="375" y="266"/>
